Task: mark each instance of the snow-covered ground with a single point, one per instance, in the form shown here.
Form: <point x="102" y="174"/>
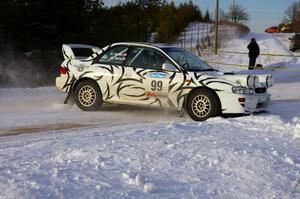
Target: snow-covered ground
<point x="193" y="34"/>
<point x="274" y="44"/>
<point x="52" y="150"/>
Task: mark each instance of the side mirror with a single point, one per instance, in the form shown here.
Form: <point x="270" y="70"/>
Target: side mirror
<point x="168" y="66"/>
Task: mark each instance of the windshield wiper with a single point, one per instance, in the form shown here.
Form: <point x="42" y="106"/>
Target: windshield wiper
<point x="211" y="69"/>
<point x="201" y="70"/>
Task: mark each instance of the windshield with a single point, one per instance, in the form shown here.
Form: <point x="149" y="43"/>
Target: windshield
<point x="187" y="60"/>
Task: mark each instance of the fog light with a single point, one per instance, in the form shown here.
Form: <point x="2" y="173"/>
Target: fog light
<point x="242" y="90"/>
<point x="252" y="81"/>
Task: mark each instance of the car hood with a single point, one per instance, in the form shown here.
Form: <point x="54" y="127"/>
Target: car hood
<point x="241" y="78"/>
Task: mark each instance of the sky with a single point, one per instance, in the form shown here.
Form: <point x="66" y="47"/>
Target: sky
<point x="263" y="13"/>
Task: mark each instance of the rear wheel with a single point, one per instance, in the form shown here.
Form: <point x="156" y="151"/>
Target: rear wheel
<point x="88" y="96"/>
<point x="202" y="104"/>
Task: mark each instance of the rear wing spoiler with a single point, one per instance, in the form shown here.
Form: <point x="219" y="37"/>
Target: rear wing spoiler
<point x="78" y="51"/>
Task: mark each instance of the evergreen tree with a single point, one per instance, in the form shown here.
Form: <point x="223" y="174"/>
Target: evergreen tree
<point x="167" y="22"/>
<point x="207" y="16"/>
<point x="41" y="24"/>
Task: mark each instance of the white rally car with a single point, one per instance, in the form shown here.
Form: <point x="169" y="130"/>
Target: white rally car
<point x="157" y="75"/>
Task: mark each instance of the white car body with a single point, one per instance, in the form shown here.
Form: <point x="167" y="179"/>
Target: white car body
<point x="124" y="84"/>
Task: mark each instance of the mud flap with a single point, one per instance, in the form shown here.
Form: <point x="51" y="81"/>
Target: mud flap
<point x="182" y="112"/>
<point x="183" y="109"/>
<point x="70" y="93"/>
<point x="68" y="97"/>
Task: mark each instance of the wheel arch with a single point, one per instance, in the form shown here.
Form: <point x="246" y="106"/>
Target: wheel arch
<point x="82" y="80"/>
<point x="91" y="105"/>
<point x="207" y="89"/>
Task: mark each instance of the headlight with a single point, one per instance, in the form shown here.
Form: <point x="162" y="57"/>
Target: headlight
<point x="242" y="90"/>
<point x="252" y="81"/>
<point x="269" y="81"/>
<point x="256" y="82"/>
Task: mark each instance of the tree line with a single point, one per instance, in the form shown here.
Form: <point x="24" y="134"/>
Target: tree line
<point x="31" y="24"/>
<point x="41" y="24"/>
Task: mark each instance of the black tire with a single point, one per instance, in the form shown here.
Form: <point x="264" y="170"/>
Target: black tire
<point x="202" y="104"/>
<point x="88" y="96"/>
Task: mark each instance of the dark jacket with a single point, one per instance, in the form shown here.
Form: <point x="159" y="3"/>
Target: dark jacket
<point x="253" y="50"/>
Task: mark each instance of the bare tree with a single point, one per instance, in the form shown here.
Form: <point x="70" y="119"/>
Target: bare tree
<point x="293" y="16"/>
<point x="237" y="14"/>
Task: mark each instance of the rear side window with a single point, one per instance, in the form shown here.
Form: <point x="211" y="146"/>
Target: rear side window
<point x="116" y="55"/>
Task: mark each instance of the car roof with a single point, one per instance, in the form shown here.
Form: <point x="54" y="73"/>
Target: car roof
<point x="145" y="44"/>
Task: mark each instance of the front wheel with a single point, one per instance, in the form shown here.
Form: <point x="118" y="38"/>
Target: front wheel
<point x="88" y="96"/>
<point x="202" y="104"/>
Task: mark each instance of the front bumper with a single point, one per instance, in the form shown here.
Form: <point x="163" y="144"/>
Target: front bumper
<point x="251" y="103"/>
<point x="256" y="103"/>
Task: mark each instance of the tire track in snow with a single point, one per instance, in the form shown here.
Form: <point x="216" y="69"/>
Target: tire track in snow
<point x="41" y="128"/>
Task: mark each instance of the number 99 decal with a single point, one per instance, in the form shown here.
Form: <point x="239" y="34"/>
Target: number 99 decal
<point x="156" y="85"/>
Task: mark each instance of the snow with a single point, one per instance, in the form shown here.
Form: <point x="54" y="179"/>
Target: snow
<point x="276" y="44"/>
<point x="193" y="34"/>
<point x="52" y="150"/>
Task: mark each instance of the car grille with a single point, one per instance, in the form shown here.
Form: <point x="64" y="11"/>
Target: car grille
<point x="260" y="90"/>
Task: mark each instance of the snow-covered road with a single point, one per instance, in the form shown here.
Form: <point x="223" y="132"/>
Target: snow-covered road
<point x="251" y="157"/>
<point x="52" y="150"/>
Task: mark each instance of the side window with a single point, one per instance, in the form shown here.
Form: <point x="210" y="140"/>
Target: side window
<point x="116" y="55"/>
<point x="147" y="58"/>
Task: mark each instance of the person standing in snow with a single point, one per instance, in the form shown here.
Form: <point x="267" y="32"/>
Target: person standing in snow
<point x="253" y="53"/>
